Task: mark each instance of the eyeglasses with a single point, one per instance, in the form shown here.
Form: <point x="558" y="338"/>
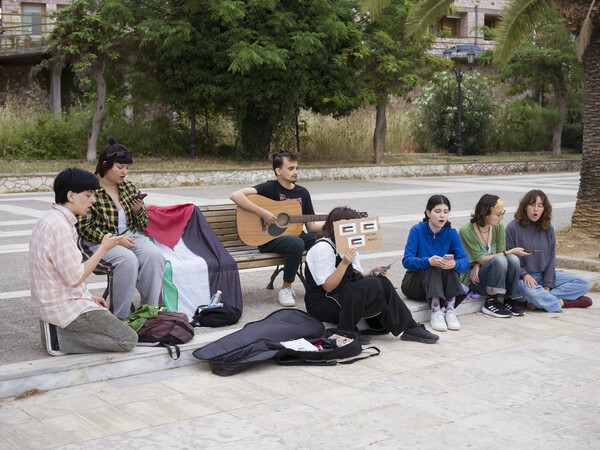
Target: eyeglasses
<point x="119" y="154"/>
<point x="501" y="214"/>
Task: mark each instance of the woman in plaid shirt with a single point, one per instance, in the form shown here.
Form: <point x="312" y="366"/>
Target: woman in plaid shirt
<point x="136" y="261"/>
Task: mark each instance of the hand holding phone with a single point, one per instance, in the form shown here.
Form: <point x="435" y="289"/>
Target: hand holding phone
<point x="385" y="268"/>
<point x="140" y="196"/>
<point x="448" y="256"/>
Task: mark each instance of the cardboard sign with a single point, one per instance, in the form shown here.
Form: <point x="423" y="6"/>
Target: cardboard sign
<point x="362" y="234"/>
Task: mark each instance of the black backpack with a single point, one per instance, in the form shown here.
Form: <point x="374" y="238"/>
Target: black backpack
<point x="262" y="340"/>
<point x="168" y="329"/>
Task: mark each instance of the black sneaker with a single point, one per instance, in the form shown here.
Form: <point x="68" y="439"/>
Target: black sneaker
<point x="419" y="334"/>
<point x="513" y="307"/>
<point x="493" y="307"/>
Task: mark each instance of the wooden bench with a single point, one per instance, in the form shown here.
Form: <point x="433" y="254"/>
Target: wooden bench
<point x="222" y="219"/>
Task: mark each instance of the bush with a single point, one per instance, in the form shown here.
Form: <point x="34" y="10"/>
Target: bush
<point x="437" y="116"/>
<point x="158" y="136"/>
<point x="525" y="127"/>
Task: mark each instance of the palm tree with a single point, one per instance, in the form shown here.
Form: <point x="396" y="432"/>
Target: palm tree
<point x="519" y="18"/>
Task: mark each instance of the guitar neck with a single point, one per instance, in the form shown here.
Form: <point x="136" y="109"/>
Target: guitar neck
<point x="308" y="218"/>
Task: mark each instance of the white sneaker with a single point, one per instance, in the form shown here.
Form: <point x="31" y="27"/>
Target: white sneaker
<point x="438" y="323"/>
<point x="286" y="297"/>
<point x="451" y="320"/>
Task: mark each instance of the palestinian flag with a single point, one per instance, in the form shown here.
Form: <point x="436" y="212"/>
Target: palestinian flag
<point x="357" y="241"/>
<point x="197" y="264"/>
<point x="368" y="226"/>
<point x="347" y="229"/>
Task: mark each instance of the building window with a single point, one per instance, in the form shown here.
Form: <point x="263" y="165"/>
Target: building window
<point x="449" y="26"/>
<point x="490" y="22"/>
<point x="32" y="18"/>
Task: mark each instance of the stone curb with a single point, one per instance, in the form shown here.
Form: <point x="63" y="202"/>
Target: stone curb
<point x="33" y="182"/>
<point x="64" y="371"/>
<point x="588" y="265"/>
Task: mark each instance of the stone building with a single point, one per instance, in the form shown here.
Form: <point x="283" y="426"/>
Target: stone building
<point x="24" y="27"/>
<point x="464" y="23"/>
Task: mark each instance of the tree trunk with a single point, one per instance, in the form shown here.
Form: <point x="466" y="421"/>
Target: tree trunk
<point x="560" y="92"/>
<point x="585" y="216"/>
<point x="56" y="69"/>
<point x="98" y="71"/>
<point x="380" y="131"/>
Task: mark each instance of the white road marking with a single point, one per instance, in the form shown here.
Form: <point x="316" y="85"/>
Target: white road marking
<point x="17" y="248"/>
<point x="22" y="211"/>
<point x="24" y="294"/>
<point x="9" y="223"/>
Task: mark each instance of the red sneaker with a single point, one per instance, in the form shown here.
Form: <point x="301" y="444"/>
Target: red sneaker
<point x="581" y="302"/>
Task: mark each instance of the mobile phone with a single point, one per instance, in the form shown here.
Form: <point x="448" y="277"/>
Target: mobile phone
<point x="385" y="268"/>
<point x="140" y="196"/>
<point x="448" y="256"/>
<point x="532" y="251"/>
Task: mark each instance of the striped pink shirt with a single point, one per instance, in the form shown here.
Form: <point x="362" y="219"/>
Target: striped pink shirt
<point x="55" y="265"/>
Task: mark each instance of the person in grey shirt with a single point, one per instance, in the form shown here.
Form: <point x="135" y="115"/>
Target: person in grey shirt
<point x="542" y="285"/>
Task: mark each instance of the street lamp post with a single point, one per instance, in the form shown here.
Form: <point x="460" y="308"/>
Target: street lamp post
<point x="459" y="71"/>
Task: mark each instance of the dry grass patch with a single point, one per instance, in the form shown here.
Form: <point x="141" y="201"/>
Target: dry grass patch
<point x="576" y="245"/>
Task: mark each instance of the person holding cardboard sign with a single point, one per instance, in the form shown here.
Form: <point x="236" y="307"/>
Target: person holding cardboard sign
<point x="433" y="257"/>
<point x="338" y="290"/>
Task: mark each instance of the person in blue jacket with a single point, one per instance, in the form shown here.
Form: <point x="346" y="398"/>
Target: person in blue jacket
<point x="433" y="257"/>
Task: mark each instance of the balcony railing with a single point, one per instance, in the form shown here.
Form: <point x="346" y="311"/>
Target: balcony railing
<point x="24" y="33"/>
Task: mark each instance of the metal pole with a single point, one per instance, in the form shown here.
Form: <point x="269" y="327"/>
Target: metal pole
<point x="459" y="75"/>
<point x="476" y="22"/>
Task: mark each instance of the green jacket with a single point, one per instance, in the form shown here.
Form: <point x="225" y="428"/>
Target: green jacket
<point x="137" y="319"/>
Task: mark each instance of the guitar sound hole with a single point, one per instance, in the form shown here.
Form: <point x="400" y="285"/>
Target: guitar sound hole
<point x="283" y="219"/>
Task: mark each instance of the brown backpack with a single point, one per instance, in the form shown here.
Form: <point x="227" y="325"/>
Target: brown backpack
<point x="166" y="329"/>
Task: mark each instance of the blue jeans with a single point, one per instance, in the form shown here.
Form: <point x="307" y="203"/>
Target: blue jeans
<point x="499" y="275"/>
<point x="567" y="287"/>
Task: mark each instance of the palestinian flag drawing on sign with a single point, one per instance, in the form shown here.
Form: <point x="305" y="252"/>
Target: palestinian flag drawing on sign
<point x="349" y="228"/>
<point x="197" y="264"/>
<point x="368" y="226"/>
<point x="356" y="241"/>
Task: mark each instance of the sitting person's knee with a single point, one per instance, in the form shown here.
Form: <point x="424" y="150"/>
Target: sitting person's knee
<point x="128" y="341"/>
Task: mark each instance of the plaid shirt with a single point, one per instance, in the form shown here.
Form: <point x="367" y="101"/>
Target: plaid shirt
<point x="55" y="266"/>
<point x="103" y="217"/>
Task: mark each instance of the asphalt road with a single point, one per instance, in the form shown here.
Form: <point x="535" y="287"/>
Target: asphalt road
<point x="398" y="202"/>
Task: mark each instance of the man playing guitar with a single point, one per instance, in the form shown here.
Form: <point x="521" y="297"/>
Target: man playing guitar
<point x="284" y="187"/>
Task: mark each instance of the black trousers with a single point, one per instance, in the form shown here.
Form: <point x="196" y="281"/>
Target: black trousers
<point x="371" y="297"/>
<point x="432" y="282"/>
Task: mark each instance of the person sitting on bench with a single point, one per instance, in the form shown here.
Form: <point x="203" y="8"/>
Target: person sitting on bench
<point x="79" y="321"/>
<point x="284" y="187"/>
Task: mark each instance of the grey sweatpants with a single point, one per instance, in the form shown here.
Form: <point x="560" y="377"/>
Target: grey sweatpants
<point x="142" y="266"/>
<point x="96" y="331"/>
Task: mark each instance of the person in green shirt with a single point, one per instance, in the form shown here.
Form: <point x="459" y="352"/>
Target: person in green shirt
<point x="493" y="270"/>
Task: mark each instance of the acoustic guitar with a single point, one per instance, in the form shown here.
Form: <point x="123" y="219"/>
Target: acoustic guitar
<point x="253" y="230"/>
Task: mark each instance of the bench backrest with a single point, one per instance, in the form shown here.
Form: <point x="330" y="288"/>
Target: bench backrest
<point x="222" y="220"/>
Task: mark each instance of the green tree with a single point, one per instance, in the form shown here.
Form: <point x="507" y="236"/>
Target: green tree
<point x="437" y="113"/>
<point x="519" y="18"/>
<point x="547" y="60"/>
<point x="87" y="35"/>
<point x="261" y="61"/>
<point x="390" y="65"/>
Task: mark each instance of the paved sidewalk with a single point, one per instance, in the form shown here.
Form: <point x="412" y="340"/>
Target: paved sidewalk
<point x="524" y="382"/>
